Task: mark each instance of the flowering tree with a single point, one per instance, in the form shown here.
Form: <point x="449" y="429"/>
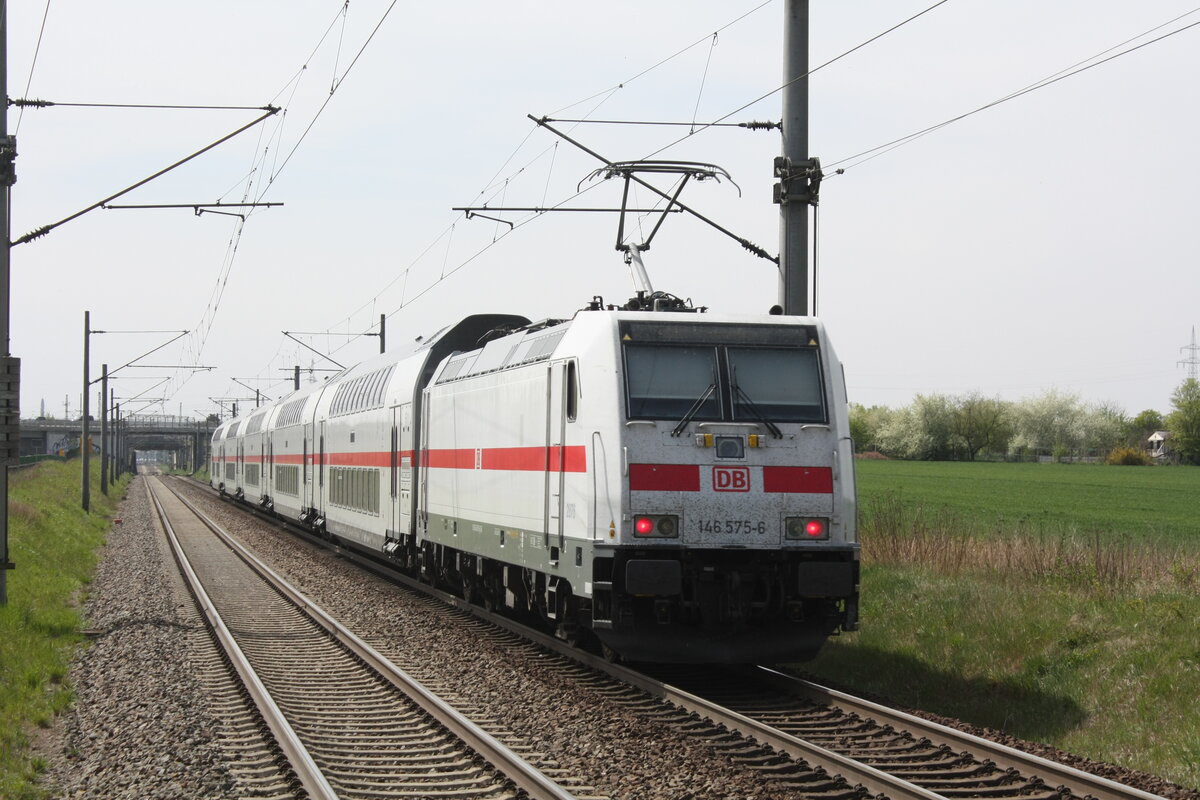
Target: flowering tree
<point x="1184" y="421"/>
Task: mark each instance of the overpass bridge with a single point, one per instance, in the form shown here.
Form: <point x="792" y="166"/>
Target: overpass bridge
<point x="186" y="437"/>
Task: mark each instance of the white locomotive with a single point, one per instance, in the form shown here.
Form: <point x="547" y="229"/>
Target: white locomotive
<point x="679" y="486"/>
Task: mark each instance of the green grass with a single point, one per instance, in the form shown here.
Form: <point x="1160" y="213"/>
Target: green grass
<point x="1113" y="677"/>
<point x="1153" y="503"/>
<point x="53" y="544"/>
<point x="1079" y="627"/>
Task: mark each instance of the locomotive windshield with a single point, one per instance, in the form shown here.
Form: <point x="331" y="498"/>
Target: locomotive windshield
<point x="665" y="382"/>
<point x="729" y="373"/>
<point x="783" y="385"/>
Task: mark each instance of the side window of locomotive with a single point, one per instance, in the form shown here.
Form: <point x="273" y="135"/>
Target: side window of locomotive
<point x="779" y="384"/>
<point x="664" y="382"/>
<point x="572" y="392"/>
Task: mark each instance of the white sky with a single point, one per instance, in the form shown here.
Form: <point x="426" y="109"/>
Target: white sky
<point x="1050" y="242"/>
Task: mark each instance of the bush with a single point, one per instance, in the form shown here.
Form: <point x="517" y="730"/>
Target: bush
<point x="1129" y="457"/>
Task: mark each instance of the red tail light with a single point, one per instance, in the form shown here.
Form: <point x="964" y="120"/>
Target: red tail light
<point x="806" y="528"/>
<point x="659" y="526"/>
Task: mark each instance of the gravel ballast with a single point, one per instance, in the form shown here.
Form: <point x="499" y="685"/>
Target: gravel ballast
<point x="140" y="726"/>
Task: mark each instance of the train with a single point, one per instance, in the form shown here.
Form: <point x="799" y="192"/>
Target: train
<point x="662" y="482"/>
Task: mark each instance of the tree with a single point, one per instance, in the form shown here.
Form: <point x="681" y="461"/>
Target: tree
<point x="1141" y="427"/>
<point x="1102" y="427"/>
<point x="865" y="424"/>
<point x="981" y="424"/>
<point x="1049" y="424"/>
<point x="922" y="430"/>
<point x="1184" y="421"/>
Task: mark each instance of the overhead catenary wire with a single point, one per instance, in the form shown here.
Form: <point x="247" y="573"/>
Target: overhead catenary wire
<point x="208" y="318"/>
<point x="332" y="92"/>
<point x="666" y="60"/>
<point x="608" y="93"/>
<point x="33" y="63"/>
<point x="703" y="79"/>
<point x="497" y="185"/>
<point x="1063" y="74"/>
<point x="775" y="91"/>
<point x="338" y="55"/>
<point x="742" y="108"/>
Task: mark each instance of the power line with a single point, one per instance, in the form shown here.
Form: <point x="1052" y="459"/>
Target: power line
<point x="33" y="64"/>
<point x="666" y="60"/>
<point x="494" y="185"/>
<point x="235" y="240"/>
<point x="833" y="60"/>
<point x="1069" y="72"/>
<point x="521" y="223"/>
<point x="332" y="92"/>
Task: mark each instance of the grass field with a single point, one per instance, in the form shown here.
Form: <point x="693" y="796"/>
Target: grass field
<point x="1158" y="504"/>
<point x="1079" y="626"/>
<point x="53" y="544"/>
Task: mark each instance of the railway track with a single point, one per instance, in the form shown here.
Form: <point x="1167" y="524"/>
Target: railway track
<point x="347" y="721"/>
<point x="945" y="761"/>
<point x="810" y="740"/>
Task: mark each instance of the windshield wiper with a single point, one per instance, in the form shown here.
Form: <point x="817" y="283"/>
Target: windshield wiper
<point x="694" y="410"/>
<point x="771" y="426"/>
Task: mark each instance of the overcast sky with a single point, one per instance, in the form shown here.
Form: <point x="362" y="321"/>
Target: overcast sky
<point x="1050" y="242"/>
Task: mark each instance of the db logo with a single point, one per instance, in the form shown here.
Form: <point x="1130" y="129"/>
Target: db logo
<point x="731" y="479"/>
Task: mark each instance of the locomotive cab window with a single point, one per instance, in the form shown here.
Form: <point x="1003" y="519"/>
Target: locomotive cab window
<point x="665" y="381"/>
<point x="747" y="373"/>
<point x="782" y="385"/>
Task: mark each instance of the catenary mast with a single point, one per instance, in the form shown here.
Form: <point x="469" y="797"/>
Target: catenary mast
<point x="799" y="175"/>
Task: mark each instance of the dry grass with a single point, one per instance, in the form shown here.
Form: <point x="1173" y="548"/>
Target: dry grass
<point x="25" y="512"/>
<point x="893" y="533"/>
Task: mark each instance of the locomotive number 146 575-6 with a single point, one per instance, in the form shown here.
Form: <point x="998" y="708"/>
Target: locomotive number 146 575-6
<point x="731" y="526"/>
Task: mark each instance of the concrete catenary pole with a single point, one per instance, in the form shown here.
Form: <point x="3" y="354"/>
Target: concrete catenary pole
<point x="793" y="209"/>
<point x="119" y="467"/>
<point x="10" y="368"/>
<point x="85" y="445"/>
<point x="104" y="429"/>
<point x="112" y="436"/>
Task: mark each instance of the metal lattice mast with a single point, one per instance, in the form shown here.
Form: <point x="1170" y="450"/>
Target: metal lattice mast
<point x="1192" y="362"/>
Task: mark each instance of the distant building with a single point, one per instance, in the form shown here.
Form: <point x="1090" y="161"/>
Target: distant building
<point x="1158" y="444"/>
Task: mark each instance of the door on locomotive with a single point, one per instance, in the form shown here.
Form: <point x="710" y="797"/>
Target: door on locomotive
<point x="556" y="430"/>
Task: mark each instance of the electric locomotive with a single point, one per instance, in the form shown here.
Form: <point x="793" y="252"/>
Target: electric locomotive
<point x="676" y="486"/>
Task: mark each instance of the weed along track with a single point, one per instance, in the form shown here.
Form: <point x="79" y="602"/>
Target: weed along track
<point x="348" y="723"/>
